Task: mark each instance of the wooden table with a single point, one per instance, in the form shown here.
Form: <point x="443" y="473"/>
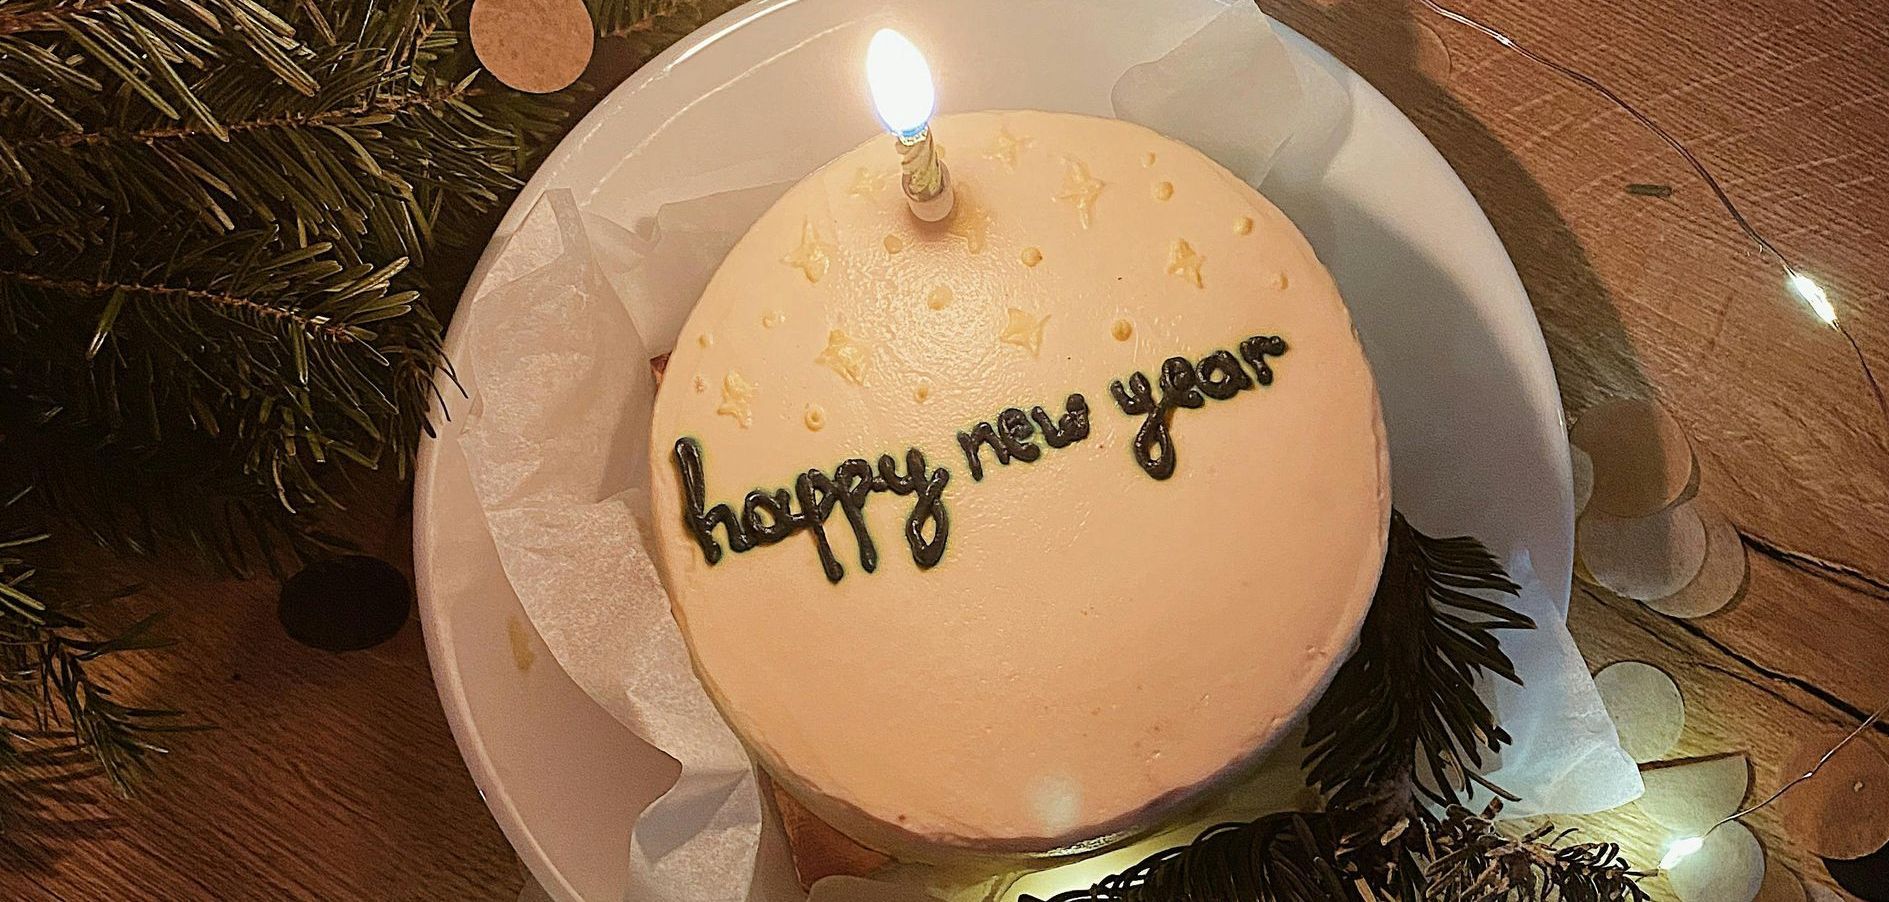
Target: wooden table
<point x="334" y="777"/>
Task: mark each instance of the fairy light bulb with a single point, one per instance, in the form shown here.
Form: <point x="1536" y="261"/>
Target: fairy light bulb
<point x="1814" y="295"/>
<point x="1680" y="850"/>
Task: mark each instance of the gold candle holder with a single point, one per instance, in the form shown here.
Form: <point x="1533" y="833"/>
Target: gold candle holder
<point x="924" y="176"/>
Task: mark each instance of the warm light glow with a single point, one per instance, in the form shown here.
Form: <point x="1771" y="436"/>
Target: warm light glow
<point x="1813" y="294"/>
<point x="902" y="92"/>
<point x="1680" y="850"/>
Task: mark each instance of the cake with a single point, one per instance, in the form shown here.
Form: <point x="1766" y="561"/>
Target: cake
<point x="1017" y="532"/>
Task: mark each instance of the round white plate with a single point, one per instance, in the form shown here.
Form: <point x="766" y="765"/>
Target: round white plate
<point x="1475" y="422"/>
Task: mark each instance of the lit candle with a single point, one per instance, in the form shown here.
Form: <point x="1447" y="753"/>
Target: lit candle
<point x="904" y="98"/>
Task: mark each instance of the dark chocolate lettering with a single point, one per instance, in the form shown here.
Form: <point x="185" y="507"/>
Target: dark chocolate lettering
<point x="1257" y="349"/>
<point x="1072" y="427"/>
<point x="1187" y="385"/>
<point x="1016" y="431"/>
<point x="817" y="498"/>
<point x="981" y="436"/>
<point x="701" y="523"/>
<point x="1222" y="377"/>
<point x="1154" y="447"/>
<point x="927" y="552"/>
<point x="766" y="516"/>
<point x="854" y="483"/>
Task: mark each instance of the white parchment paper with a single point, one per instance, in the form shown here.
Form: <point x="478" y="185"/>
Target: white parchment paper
<point x="556" y="434"/>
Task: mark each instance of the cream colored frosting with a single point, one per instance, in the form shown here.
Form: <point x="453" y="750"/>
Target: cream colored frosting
<point x="1096" y="646"/>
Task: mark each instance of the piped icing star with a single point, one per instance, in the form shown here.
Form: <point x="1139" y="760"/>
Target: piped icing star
<point x="970" y="222"/>
<point x="737" y="399"/>
<point x="813" y="256"/>
<point x="868" y="182"/>
<point x="1082" y="189"/>
<point x="1185" y="262"/>
<point x="1007" y="146"/>
<point x="1024" y="330"/>
<point x="846" y="356"/>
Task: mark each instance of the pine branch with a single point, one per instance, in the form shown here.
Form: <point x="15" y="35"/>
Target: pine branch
<point x="182" y="497"/>
<point x="49" y="692"/>
<point x="370" y="148"/>
<point x="60" y="60"/>
<point x="1407" y="700"/>
<point x="289" y="360"/>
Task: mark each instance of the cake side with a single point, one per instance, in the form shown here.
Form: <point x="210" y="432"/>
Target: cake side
<point x="1055" y="649"/>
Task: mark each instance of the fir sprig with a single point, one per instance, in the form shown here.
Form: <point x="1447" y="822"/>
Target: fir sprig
<point x="276" y="354"/>
<point x="49" y="697"/>
<point x="1405" y="703"/>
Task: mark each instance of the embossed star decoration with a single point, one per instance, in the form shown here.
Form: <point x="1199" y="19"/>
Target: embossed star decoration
<point x="970" y="222"/>
<point x="737" y="399"/>
<point x="846" y="356"/>
<point x="1185" y="262"/>
<point x="1081" y="189"/>
<point x="813" y="256"/>
<point x="1007" y="147"/>
<point x="868" y="182"/>
<point x="1025" y="331"/>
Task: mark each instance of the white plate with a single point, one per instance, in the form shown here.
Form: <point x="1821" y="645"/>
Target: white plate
<point x="1475" y="422"/>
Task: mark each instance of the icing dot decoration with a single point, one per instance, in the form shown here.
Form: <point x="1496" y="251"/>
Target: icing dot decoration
<point x="815" y="418"/>
<point x="939" y="298"/>
<point x="1186" y="262"/>
<point x="1024" y="330"/>
<point x="1147" y="162"/>
<point x="1032" y="256"/>
<point x="922" y="393"/>
<point x="1280" y="281"/>
<point x="1243" y="226"/>
<point x="772" y="318"/>
<point x="1081" y="189"/>
<point x="894" y="244"/>
<point x="1123" y="330"/>
<point x="1163" y="190"/>
<point x="705" y="339"/>
<point x="737" y="399"/>
<point x="813" y="256"/>
<point x="846" y="356"/>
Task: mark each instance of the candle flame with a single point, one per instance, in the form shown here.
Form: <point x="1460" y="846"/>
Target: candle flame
<point x="902" y="91"/>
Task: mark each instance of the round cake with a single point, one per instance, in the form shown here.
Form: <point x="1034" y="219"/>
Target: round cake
<point x="1016" y="532"/>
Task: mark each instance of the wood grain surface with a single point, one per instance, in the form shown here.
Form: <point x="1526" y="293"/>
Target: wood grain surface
<point x="332" y="776"/>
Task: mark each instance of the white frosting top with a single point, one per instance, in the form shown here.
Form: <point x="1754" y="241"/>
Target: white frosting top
<point x="1095" y="645"/>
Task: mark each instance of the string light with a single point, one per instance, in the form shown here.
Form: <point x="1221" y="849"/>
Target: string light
<point x="1800" y="284"/>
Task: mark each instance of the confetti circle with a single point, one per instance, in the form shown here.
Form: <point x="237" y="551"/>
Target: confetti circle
<point x="1645" y="705"/>
<point x="1728" y="868"/>
<point x="1641" y="458"/>
<point x="1722" y="577"/>
<point x="1646" y="557"/>
<point x="536" y="46"/>
<point x="1781" y="885"/>
<point x="1843" y="811"/>
<point x="1689" y="798"/>
<point x="345" y="603"/>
